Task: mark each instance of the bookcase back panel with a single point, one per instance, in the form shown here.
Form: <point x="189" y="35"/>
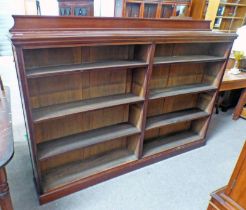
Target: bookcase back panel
<point x="184" y="49"/>
<point x="171" y="104"/>
<point x="35" y="58"/>
<point x="167" y="130"/>
<point x="159" y="77"/>
<point x="51" y="57"/>
<point x="203" y="101"/>
<point x="174" y="136"/>
<point x="88" y="161"/>
<point x="213" y="72"/>
<point x="81" y="122"/>
<point x="164" y="76"/>
<point x="46" y="91"/>
<point x="83" y="154"/>
<point x="185" y="74"/>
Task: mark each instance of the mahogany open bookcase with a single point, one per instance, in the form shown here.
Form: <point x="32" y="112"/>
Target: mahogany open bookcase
<point x="100" y="100"/>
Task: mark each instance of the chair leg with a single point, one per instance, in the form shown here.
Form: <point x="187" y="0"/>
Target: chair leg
<point x="5" y="199"/>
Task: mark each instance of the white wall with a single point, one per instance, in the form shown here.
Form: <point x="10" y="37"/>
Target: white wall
<point x="104" y="8"/>
<point x="49" y="7"/>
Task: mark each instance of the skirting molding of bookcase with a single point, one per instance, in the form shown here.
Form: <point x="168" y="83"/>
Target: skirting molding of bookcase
<point x="100" y="100"/>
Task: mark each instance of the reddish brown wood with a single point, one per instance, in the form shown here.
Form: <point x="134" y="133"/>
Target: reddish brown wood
<point x="5" y="199"/>
<point x="232" y="196"/>
<point x="240" y="104"/>
<point x="52" y="23"/>
<point x="101" y="38"/>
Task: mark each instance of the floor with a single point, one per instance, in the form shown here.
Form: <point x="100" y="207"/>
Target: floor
<point x="183" y="182"/>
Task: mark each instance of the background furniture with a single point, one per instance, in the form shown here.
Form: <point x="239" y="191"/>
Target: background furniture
<point x="233" y="196"/>
<point x="76" y="7"/>
<point x="226" y="15"/>
<point x="235" y="82"/>
<point x="102" y="100"/>
<point x="152" y="9"/>
<point x="6" y="148"/>
<point x="1" y="83"/>
<point x="199" y="9"/>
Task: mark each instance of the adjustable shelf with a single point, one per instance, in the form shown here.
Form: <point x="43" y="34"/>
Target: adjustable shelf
<point x="103" y="97"/>
<point x="188" y="58"/>
<point x="76" y="171"/>
<point x="173" y="91"/>
<point x="175" y="117"/>
<point x="232" y="4"/>
<point x="67" y="69"/>
<point x="61" y="110"/>
<point x="67" y="144"/>
<point x="175" y="141"/>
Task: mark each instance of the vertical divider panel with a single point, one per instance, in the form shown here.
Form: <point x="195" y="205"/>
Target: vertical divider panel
<point x="218" y="81"/>
<point x="27" y="113"/>
<point x="150" y="60"/>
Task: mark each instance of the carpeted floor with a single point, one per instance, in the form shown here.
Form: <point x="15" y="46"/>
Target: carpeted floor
<point x="183" y="182"/>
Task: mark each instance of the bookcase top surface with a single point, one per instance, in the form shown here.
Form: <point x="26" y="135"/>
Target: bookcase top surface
<point x="44" y="29"/>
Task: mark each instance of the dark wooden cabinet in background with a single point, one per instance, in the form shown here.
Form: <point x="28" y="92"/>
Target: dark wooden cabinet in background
<point x="76" y="7"/>
<point x="233" y="196"/>
<point x="104" y="96"/>
<point x="152" y="8"/>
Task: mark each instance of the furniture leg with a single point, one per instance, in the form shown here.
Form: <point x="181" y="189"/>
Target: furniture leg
<point x="1" y="84"/>
<point x="5" y="199"/>
<point x="240" y="104"/>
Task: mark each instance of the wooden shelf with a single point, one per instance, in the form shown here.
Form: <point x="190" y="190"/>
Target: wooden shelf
<point x="67" y="144"/>
<point x="177" y="141"/>
<point x="232" y="4"/>
<point x="187" y="58"/>
<point x="173" y="91"/>
<point x="81" y="169"/>
<point x="88" y="87"/>
<point x="230" y="17"/>
<point x="175" y="117"/>
<point x="61" y="110"/>
<point x="64" y="69"/>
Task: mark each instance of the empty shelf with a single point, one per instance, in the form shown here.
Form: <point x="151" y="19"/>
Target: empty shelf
<point x="55" y="70"/>
<point x="175" y="117"/>
<point x="77" y="141"/>
<point x="61" y="110"/>
<point x="161" y="144"/>
<point x="179" y="90"/>
<point x="187" y="58"/>
<point x="68" y="173"/>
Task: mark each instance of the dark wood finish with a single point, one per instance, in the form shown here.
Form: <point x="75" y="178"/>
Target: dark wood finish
<point x="152" y="9"/>
<point x="1" y="83"/>
<point x="6" y="149"/>
<point x="234" y="82"/>
<point x="76" y="7"/>
<point x="239" y="107"/>
<point x="102" y="100"/>
<point x="51" y="23"/>
<point x="233" y="196"/>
